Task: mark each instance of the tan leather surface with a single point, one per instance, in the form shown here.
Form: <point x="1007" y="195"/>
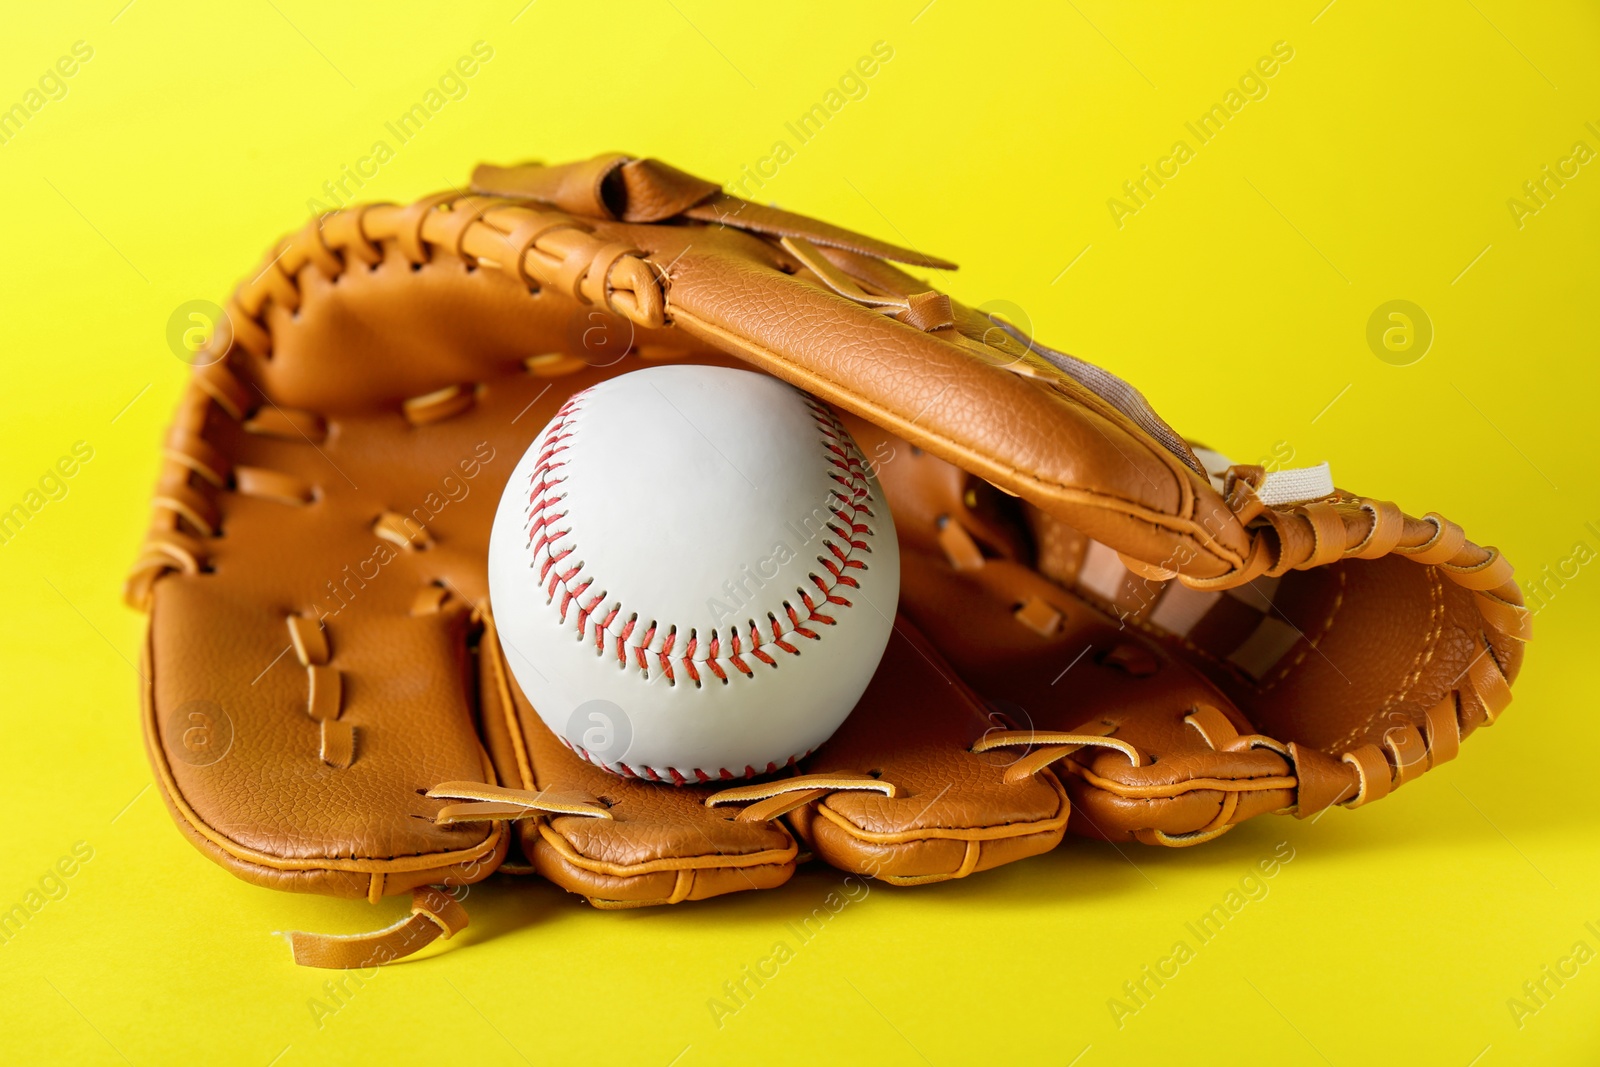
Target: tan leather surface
<point x="914" y="728"/>
<point x="1023" y="436"/>
<point x="1381" y="643"/>
<point x="314" y="569"/>
<point x="654" y="831"/>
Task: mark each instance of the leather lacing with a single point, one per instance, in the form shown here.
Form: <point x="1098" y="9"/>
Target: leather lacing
<point x="1344" y="526"/>
<point x="542" y="248"/>
<point x="545" y="248"/>
<point x="765" y="801"/>
<point x="1299" y="537"/>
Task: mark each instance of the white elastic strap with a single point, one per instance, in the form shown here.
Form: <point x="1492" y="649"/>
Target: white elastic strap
<point x="1296" y="485"/>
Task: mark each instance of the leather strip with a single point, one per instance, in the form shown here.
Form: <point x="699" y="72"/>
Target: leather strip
<point x="308" y="241"/>
<point x="189" y="449"/>
<point x="524" y="236"/>
<point x="497" y="801"/>
<point x="439" y="404"/>
<point x="1214" y="726"/>
<point x="248" y="333"/>
<point x="1488" y="682"/>
<point x="274" y="420"/>
<point x="1376" y="778"/>
<point x="175" y="549"/>
<point x="591" y="286"/>
<point x="272" y="485"/>
<point x="1053" y="746"/>
<point x="928" y="312"/>
<point x="434" y="914"/>
<point x="309" y="639"/>
<point x="1221" y="824"/>
<point x="1388" y="523"/>
<point x="1328" y="529"/>
<point x="408" y="234"/>
<point x="1408" y="752"/>
<point x="219" y="383"/>
<point x="428" y="601"/>
<point x="326" y="692"/>
<point x="960" y="549"/>
<point x="1176" y="789"/>
<point x="271" y="283"/>
<point x="337" y="746"/>
<point x="183" y="500"/>
<point x="1443" y="731"/>
<point x="1038" y="616"/>
<point x="1513" y="620"/>
<point x="1322" y="781"/>
<point x="403" y="531"/>
<point x="1492" y="571"/>
<point x="490" y="646"/>
<point x="553" y="365"/>
<point x="344" y="232"/>
<point x="1442" y="546"/>
<point x="768" y="800"/>
<point x="458" y="220"/>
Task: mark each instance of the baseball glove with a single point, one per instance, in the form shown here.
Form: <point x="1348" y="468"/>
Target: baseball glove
<point x="1102" y="628"/>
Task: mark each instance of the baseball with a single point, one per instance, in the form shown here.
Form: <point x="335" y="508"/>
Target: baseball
<point x="694" y="574"/>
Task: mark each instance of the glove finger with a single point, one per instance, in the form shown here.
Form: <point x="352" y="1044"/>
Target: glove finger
<point x="953" y="811"/>
<point x="662" y="843"/>
<point x="1078" y="673"/>
<point x="284" y="715"/>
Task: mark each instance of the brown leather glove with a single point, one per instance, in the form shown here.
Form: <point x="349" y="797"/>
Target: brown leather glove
<point x="1084" y="612"/>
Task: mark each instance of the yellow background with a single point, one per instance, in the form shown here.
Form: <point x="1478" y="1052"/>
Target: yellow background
<point x="1378" y="167"/>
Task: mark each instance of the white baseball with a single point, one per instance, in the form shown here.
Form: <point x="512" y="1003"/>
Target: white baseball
<point x="693" y="573"/>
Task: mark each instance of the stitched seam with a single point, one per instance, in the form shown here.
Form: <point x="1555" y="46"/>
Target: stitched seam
<point x="595" y="612"/>
<point x="568" y="853"/>
<point x="892" y="421"/>
<point x="1308" y="642"/>
<point x="1419" y="662"/>
<point x="1430" y="644"/>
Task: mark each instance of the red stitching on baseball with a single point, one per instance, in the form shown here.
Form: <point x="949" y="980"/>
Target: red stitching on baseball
<point x="848" y="504"/>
